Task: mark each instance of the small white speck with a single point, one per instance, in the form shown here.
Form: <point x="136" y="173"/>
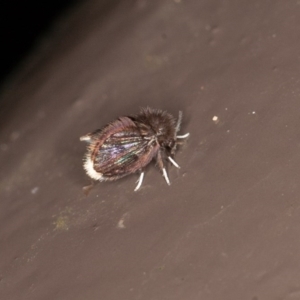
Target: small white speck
<point x="253" y="113"/>
<point x="215" y="118"/>
<point x="34" y="190"/>
<point x="121" y="224"/>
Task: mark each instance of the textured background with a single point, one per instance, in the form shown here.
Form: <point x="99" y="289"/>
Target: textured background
<point x="228" y="227"/>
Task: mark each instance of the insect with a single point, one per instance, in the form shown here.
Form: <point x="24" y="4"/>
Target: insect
<point x="129" y="144"/>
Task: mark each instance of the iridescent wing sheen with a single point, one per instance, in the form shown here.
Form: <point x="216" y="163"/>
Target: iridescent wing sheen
<point x="122" y="153"/>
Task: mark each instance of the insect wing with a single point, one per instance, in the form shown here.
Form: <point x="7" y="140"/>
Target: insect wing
<point x="120" y="153"/>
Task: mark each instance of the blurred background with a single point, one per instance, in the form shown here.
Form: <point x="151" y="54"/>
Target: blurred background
<point x="23" y="23"/>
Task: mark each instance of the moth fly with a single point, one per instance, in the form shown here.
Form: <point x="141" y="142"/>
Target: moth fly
<point x="128" y="144"/>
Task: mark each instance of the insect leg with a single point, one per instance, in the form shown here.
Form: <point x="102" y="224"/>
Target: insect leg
<point x="173" y="162"/>
<point x="140" y="181"/>
<point x="166" y="176"/>
<point x="182" y="136"/>
<point x="160" y="163"/>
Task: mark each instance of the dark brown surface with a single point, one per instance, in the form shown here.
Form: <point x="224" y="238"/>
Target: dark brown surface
<point x="228" y="227"/>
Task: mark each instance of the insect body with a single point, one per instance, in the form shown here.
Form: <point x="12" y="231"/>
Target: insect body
<point x="129" y="144"/>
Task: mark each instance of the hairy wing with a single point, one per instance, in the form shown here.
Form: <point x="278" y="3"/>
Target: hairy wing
<point x="120" y="154"/>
